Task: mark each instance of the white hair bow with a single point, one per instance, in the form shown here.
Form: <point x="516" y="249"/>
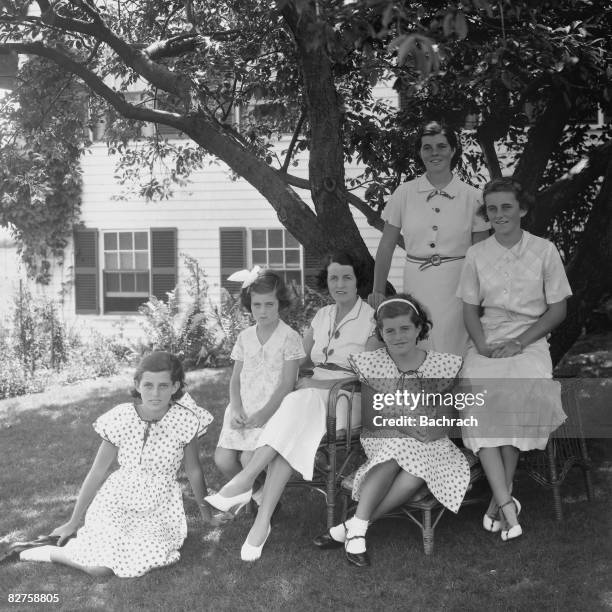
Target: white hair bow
<point x="247" y="277"/>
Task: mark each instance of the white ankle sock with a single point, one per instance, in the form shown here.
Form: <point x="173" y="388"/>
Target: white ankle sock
<point x="41" y="553"/>
<point x="338" y="532"/>
<point x="356" y="527"/>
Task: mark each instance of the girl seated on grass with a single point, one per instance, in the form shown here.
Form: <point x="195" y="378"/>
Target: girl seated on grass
<point x="134" y="519"/>
<point x="400" y="459"/>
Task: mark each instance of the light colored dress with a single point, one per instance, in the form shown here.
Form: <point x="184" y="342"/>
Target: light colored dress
<point x="439" y="463"/>
<point x="296" y="429"/>
<point x="441" y="226"/>
<point x="514" y="286"/>
<point x="136" y="522"/>
<point x="260" y="376"/>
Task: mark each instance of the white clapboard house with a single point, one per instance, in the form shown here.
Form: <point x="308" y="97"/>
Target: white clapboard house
<point x="129" y="249"/>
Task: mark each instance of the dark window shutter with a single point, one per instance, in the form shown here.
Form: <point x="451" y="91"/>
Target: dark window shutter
<point x="312" y="267"/>
<point x="233" y="254"/>
<point x="163" y="262"/>
<point x="86" y="283"/>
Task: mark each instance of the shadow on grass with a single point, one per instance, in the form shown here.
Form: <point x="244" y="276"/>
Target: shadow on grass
<point x="48" y="443"/>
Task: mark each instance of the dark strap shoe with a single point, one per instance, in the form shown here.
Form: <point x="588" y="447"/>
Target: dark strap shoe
<point x="325" y="541"/>
<point x="358" y="559"/>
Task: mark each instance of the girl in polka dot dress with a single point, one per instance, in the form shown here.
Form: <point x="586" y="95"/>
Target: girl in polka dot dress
<point x="400" y="458"/>
<point x="134" y="520"/>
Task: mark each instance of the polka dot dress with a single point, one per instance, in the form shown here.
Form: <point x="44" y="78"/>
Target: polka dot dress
<point x="136" y="522"/>
<point x="439" y="463"/>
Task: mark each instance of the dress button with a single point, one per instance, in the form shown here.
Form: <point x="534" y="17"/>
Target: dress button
<point x="437" y="209"/>
<point x="435" y="228"/>
<point x="432" y="245"/>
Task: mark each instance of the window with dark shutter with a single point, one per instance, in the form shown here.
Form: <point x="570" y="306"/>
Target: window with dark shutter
<point x="164" y="256"/>
<point x="232" y="241"/>
<point x="86" y="271"/>
<point x="136" y="265"/>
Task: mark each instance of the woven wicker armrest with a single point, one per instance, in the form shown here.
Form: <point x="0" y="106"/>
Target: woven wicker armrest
<point x="348" y="386"/>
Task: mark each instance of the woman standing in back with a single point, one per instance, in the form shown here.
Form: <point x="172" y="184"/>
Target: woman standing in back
<point x="436" y="214"/>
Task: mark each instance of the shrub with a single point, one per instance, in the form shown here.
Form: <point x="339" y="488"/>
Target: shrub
<point x="304" y="308"/>
<point x="38" y="335"/>
<point x="160" y="323"/>
<point x="15" y="380"/>
<point x="97" y="356"/>
<point x="199" y="330"/>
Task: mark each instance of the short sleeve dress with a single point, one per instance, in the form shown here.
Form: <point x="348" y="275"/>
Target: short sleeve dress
<point x="439" y="463"/>
<point x="260" y="376"/>
<point x="136" y="522"/>
<point x="437" y="222"/>
<point x="514" y="286"/>
<point x="296" y="429"/>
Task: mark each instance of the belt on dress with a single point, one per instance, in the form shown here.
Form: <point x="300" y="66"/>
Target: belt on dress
<point x="432" y="260"/>
<point x="333" y="366"/>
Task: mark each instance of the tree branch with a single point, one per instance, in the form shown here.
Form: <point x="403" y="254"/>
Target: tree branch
<point x="175" y="46"/>
<point x="96" y="84"/>
<point x="542" y="138"/>
<point x="296" y="133"/>
<point x="562" y="194"/>
<point x="295" y="181"/>
<point x="156" y="74"/>
<point x="372" y="217"/>
<point x="487" y="145"/>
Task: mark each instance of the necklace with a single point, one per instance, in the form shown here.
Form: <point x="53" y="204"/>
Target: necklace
<point x="334" y="331"/>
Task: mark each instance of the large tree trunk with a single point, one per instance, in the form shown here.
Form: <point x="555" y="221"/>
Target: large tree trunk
<point x="326" y="159"/>
<point x="589" y="271"/>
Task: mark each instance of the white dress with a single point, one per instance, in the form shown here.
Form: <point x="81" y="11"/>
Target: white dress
<point x="439" y="463"/>
<point x="441" y="226"/>
<point x="296" y="429"/>
<point x="260" y="376"/>
<point x="136" y="522"/>
<point x="514" y="286"/>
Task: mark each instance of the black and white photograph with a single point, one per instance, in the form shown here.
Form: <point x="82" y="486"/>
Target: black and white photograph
<point x="305" y="305"/>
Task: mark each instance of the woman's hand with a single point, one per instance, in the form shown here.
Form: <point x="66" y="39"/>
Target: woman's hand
<point x="486" y="350"/>
<point x="237" y="417"/>
<point x="509" y="348"/>
<point x="65" y="532"/>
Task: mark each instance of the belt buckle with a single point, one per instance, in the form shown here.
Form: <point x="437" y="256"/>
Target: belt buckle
<point x="435" y="260"/>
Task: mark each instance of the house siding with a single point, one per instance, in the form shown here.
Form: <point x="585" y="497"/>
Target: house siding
<point x="210" y="201"/>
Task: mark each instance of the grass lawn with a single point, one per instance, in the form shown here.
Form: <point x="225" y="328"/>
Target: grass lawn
<point x="47" y="445"/>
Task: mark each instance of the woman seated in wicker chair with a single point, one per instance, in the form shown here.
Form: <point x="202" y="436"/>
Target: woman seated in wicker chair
<point x="290" y="439"/>
<point x="513" y="288"/>
<point x="401" y="457"/>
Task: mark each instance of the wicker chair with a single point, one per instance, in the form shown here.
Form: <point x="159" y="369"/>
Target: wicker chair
<point x="424" y="509"/>
<point x="566" y="449"/>
<point x="337" y="453"/>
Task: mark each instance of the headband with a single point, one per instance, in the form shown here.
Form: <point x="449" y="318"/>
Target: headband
<point x="248" y="277"/>
<point x="403" y="300"/>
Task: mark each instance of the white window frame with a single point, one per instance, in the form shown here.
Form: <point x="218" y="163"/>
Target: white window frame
<point x="273" y="267"/>
<point x="119" y="270"/>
